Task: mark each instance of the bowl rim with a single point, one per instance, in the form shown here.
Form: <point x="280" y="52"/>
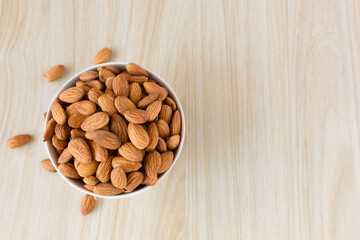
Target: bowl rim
<point x="70" y="83"/>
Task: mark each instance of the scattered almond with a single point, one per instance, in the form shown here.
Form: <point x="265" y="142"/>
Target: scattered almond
<point x="54" y="73"/>
<point x="47" y="165"/>
<point x="102" y="56"/>
<point x="87" y="204"/>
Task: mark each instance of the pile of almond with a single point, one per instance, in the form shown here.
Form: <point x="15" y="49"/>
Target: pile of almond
<point x="115" y="130"/>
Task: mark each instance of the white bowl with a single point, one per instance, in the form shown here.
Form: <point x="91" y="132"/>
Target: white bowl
<point x="78" y="184"/>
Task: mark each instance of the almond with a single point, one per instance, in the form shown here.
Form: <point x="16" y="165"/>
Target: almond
<point x="91" y="180"/>
<point x="86" y="169"/>
<point x="153" y="135"/>
<point x="109" y="82"/>
<point x="161" y="146"/>
<point x="135" y="69"/>
<point x="99" y="153"/>
<point x="153" y="110"/>
<point x="126" y="74"/>
<point x="62" y="132"/>
<point x="118" y="178"/>
<point x="126" y="165"/>
<point x="130" y="152"/>
<point x="155" y="88"/>
<point x="74" y="133"/>
<point x="65" y="156"/>
<point x="54" y="73"/>
<point x="149" y="181"/>
<point x="102" y="56"/>
<point x="152" y="163"/>
<point x="94" y="95"/>
<point x="167" y="159"/>
<point x="171" y="103"/>
<point x="173" y="142"/>
<point x="59" y="151"/>
<point x="143" y="103"/>
<point x="49" y="129"/>
<point x="163" y="128"/>
<point x="104" y="170"/>
<point x="134" y="179"/>
<point x="80" y="150"/>
<point x="105" y="74"/>
<point x="80" y="83"/>
<point x="136" y="116"/>
<point x="68" y="170"/>
<point x="96" y="84"/>
<point x="175" y="126"/>
<point x="106" y="102"/>
<point x="165" y="113"/>
<point x="76" y="120"/>
<point x="85" y="107"/>
<point x="107" y="189"/>
<point x="106" y="139"/>
<point x="135" y="92"/>
<point x="86" y="89"/>
<point x="47" y="165"/>
<point x="87" y="205"/>
<point x="119" y="126"/>
<point x="70" y="110"/>
<point x="110" y="92"/>
<point x="58" y="113"/>
<point x="72" y="95"/>
<point x="57" y="143"/>
<point x="124" y="104"/>
<point x="114" y="70"/>
<point x="89" y="187"/>
<point x="89" y="75"/>
<point x="138" y="79"/>
<point x="121" y="86"/>
<point x="138" y="136"/>
<point x="96" y="121"/>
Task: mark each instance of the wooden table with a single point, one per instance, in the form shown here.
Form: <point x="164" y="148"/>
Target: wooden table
<point x="270" y="91"/>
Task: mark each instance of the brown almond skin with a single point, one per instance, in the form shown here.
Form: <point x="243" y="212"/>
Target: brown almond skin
<point x="89" y="187"/>
<point x="97" y="84"/>
<point x="94" y="95"/>
<point x="112" y="69"/>
<point x="72" y="95"/>
<point x="138" y="136"/>
<point x="106" y="102"/>
<point x="102" y="56"/>
<point x="85" y="107"/>
<point x="107" y="189"/>
<point x="134" y="179"/>
<point x="167" y="159"/>
<point x="169" y="101"/>
<point x="65" y="156"/>
<point x="126" y="165"/>
<point x="76" y="120"/>
<point x="130" y="152"/>
<point x="47" y="165"/>
<point x="58" y="113"/>
<point x="165" y="113"/>
<point x="103" y="171"/>
<point x="87" y="205"/>
<point x="86" y="169"/>
<point x="62" y="132"/>
<point x="124" y="104"/>
<point x="150" y="181"/>
<point x="138" y="79"/>
<point x="118" y="178"/>
<point x="138" y="116"/>
<point x="146" y="101"/>
<point x="91" y="180"/>
<point x="80" y="150"/>
<point x="119" y="126"/>
<point x="173" y="142"/>
<point x="109" y="82"/>
<point x="99" y="153"/>
<point x="153" y="110"/>
<point x="89" y="75"/>
<point x="70" y="110"/>
<point x="54" y="73"/>
<point x="106" y="139"/>
<point x="153" y="135"/>
<point x="175" y="125"/>
<point x="74" y="133"/>
<point x="155" y="88"/>
<point x="135" y="70"/>
<point x="68" y="170"/>
<point x="135" y="92"/>
<point x="152" y="163"/>
<point x="49" y="129"/>
<point x="121" y="86"/>
<point x="161" y="146"/>
<point x="57" y="143"/>
<point x="59" y="151"/>
<point x="95" y="121"/>
<point x="105" y="74"/>
<point x="163" y="128"/>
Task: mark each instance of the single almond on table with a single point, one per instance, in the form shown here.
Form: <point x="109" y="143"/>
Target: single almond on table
<point x="173" y="142"/>
<point x="107" y="189"/>
<point x="138" y="136"/>
<point x="54" y="73"/>
<point x="106" y="139"/>
<point x="119" y="126"/>
<point x="91" y="180"/>
<point x="86" y="169"/>
<point x="74" y="133"/>
<point x="65" y="156"/>
<point x="68" y="170"/>
<point x="94" y="95"/>
<point x="167" y="159"/>
<point x="171" y="103"/>
<point x="96" y="121"/>
<point x="130" y="152"/>
<point x="136" y="70"/>
<point x="155" y="88"/>
<point x="161" y="146"/>
<point x="62" y="132"/>
<point x="109" y="82"/>
<point x="89" y="75"/>
<point x="163" y="128"/>
<point x="57" y="143"/>
<point x="118" y="178"/>
<point x="49" y="129"/>
<point x="58" y="113"/>
<point x="153" y="135"/>
<point x="105" y="74"/>
<point x="85" y="107"/>
<point x="72" y="95"/>
<point x="103" y="171"/>
<point x="102" y="56"/>
<point x="87" y="204"/>
<point x="175" y="125"/>
<point x="120" y="86"/>
<point x="134" y="179"/>
<point x="99" y="153"/>
<point x="126" y="165"/>
<point x="135" y="92"/>
<point x="143" y="103"/>
<point x="95" y="84"/>
<point x="153" y="110"/>
<point x="112" y="69"/>
<point x="106" y="102"/>
<point x="152" y="163"/>
<point x="165" y="113"/>
<point x="80" y="150"/>
<point x="138" y="116"/>
<point x="47" y="165"/>
<point x="124" y="104"/>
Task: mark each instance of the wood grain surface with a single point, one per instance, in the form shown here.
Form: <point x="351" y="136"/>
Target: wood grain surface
<point x="270" y="91"/>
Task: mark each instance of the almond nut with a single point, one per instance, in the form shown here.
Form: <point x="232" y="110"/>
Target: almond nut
<point x="47" y="165"/>
<point x="62" y="132"/>
<point x="85" y="107"/>
<point x="121" y="86"/>
<point x="58" y="113"/>
<point x="165" y="113"/>
<point x="89" y="75"/>
<point x="143" y="103"/>
<point x="138" y="116"/>
<point x="102" y="56"/>
<point x="119" y="126"/>
<point x="134" y="179"/>
<point x="49" y="129"/>
<point x="130" y="152"/>
<point x="72" y="95"/>
<point x="107" y="189"/>
<point x="135" y="69"/>
<point x="171" y="103"/>
<point x="124" y="104"/>
<point x="155" y="88"/>
<point x="135" y="92"/>
<point x="104" y="170"/>
<point x="80" y="150"/>
<point x="175" y="126"/>
<point x="106" y="102"/>
<point x="87" y="205"/>
<point x="173" y="142"/>
<point x="106" y="139"/>
<point x="126" y="165"/>
<point x="54" y="73"/>
<point x="161" y="146"/>
<point x="152" y="163"/>
<point x="167" y="159"/>
<point x="91" y="180"/>
<point x="94" y="95"/>
<point x="138" y="136"/>
<point x="118" y="177"/>
<point x="86" y="169"/>
<point x="163" y="128"/>
<point x="96" y="121"/>
<point x="105" y="74"/>
<point x="65" y="156"/>
<point x="68" y="170"/>
<point x="99" y="153"/>
<point x="153" y="110"/>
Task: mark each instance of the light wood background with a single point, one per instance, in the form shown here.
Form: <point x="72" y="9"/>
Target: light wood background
<point x="270" y="90"/>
